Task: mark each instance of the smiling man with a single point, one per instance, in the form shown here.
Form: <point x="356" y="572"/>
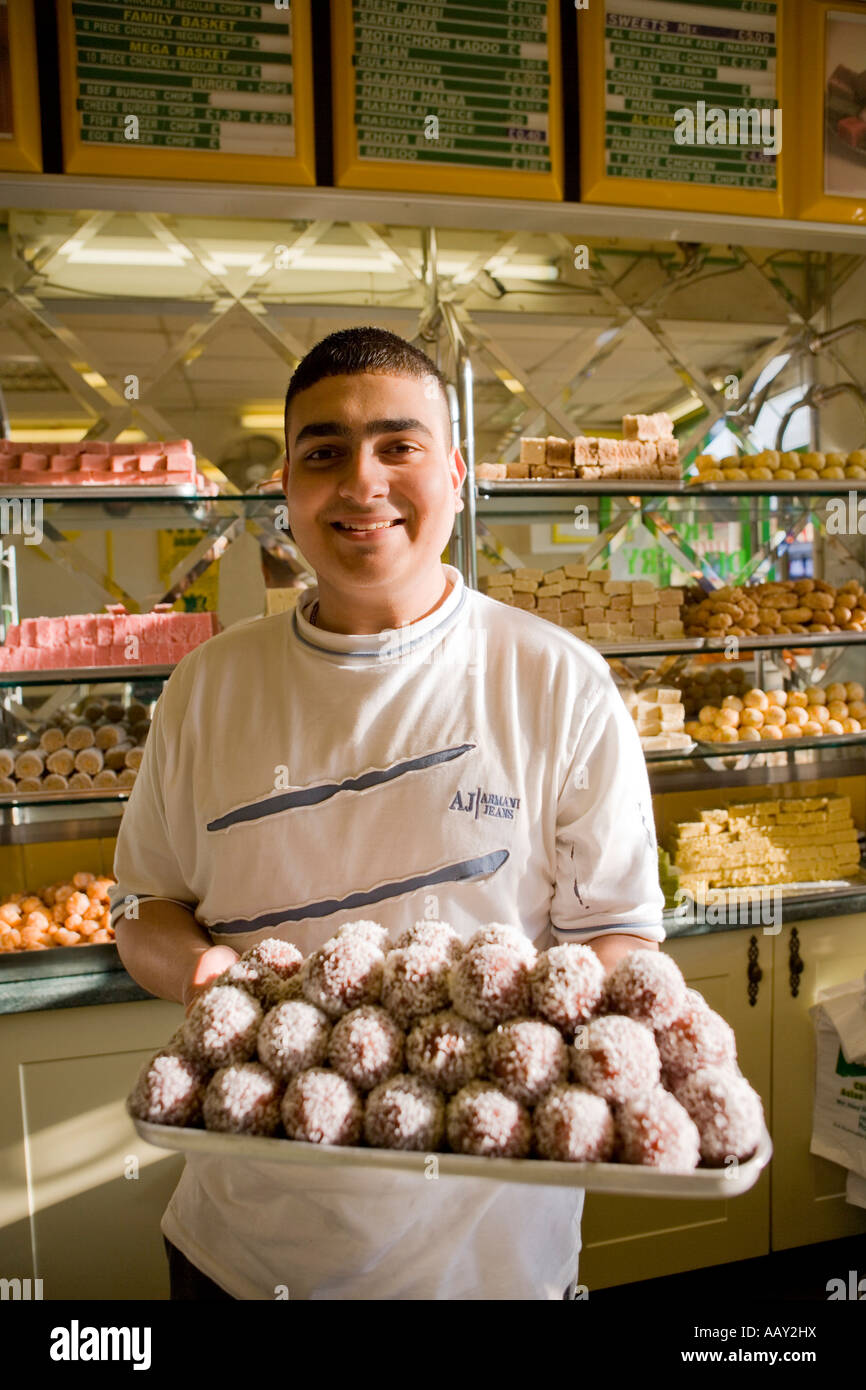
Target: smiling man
<point x="398" y="748"/>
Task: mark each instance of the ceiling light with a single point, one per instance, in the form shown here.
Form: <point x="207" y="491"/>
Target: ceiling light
<point x="262" y="420"/>
<point x="78" y="254"/>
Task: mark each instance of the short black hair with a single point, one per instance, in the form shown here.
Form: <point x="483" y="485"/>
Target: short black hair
<point x="353" y="351"/>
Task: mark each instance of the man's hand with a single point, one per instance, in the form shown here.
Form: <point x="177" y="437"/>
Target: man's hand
<point x="209" y="964"/>
<point x="611" y="949"/>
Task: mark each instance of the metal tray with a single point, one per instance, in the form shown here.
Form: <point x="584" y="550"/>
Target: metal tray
<point x="59" y="960"/>
<point x="629" y="1179"/>
<point x="775" y="745"/>
<point x="764" y="487"/>
<point x="88" y="794"/>
<point x="521" y="487"/>
<point x="97" y="490"/>
<point x="121" y="674"/>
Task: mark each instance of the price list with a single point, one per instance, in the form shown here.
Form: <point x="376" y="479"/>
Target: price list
<point x="453" y="84"/>
<point x="185" y="75"/>
<point x="662" y="58"/>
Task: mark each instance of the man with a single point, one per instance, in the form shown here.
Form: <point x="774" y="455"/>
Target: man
<point x="398" y="748"/>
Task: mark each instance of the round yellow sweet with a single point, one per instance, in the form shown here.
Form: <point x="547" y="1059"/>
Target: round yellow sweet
<point x="835" y="460"/>
<point x="732" y="702"/>
<point x="756" y="699"/>
<point x="712" y="475"/>
<point x="751" y="718"/>
<point x="750" y="734"/>
<point x="838" y="709"/>
<point x="730" y="461"/>
<point x="759" y="473"/>
<point x="807" y="473"/>
<point x="812" y="728"/>
<point x="729" y="718"/>
<point x="797" y="715"/>
<point x="775" y="716"/>
<point x="797" y="699"/>
<point x="785" y="475"/>
<point x="857" y="710"/>
<point x="694" y="728"/>
<point x="854" y="690"/>
<point x="771" y="458"/>
<point x="771" y="731"/>
<point x="708" y="715"/>
<point x="703" y="462"/>
<point x="779" y="698"/>
<point x="735" y="475"/>
<point x="851" y="726"/>
<point x="812" y="459"/>
<point x="816" y="694"/>
<point x="833" y="726"/>
<point x="855" y="470"/>
<point x="837" y="691"/>
<point x="725" y="734"/>
<point x="832" y="474"/>
<point x="820" y="713"/>
<point x="791" y="459"/>
<point x="791" y="731"/>
<point x="857" y="457"/>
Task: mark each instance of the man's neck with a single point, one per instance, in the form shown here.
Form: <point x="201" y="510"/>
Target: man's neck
<point x="330" y="615"/>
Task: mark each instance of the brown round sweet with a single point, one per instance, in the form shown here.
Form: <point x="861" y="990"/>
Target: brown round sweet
<point x="322" y="1107"/>
<point x="573" y="1125"/>
<point x="655" y="1130"/>
<point x="567" y="986"/>
<point x="404" y="1113"/>
<point x="646" y="985"/>
<point x="294" y="1036"/>
<point x="243" y="1099"/>
<point x="169" y="1091"/>
<point x="373" y="932"/>
<point x="699" y="1037"/>
<point x="482" y="1119"/>
<point x="525" y="1058"/>
<point x="504" y="934"/>
<point x="446" y="1050"/>
<point x="282" y="957"/>
<point x="616" y="1057"/>
<point x="255" y="977"/>
<point x="415" y="982"/>
<point x="490" y="984"/>
<point x="438" y="935"/>
<point x="727" y="1111"/>
<point x="222" y="1025"/>
<point x="343" y="974"/>
<point x="366" y="1046"/>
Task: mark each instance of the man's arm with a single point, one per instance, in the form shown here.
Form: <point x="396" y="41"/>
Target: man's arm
<point x="611" y="949"/>
<point x="166" y="951"/>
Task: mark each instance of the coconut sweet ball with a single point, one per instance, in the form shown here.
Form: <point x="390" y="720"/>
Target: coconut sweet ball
<point x="727" y="1112"/>
<point x="573" y="1125"/>
<point x="262" y="983"/>
<point x="438" y="935"/>
<point x="446" y="1050"/>
<point x="655" y="1130"/>
<point x="294" y="1036"/>
<point x="525" y="1058"/>
<point x="169" y="1091"/>
<point x="503" y="934"/>
<point x="617" y="1058"/>
<point x="322" y="1107"/>
<point x="343" y="974"/>
<point x="283" y="957"/>
<point x="490" y="984"/>
<point x="415" y="982"/>
<point x="482" y="1119"/>
<point x="243" y="1099"/>
<point x="567" y="985"/>
<point x="698" y="1037"/>
<point x="370" y="931"/>
<point x="366" y="1047"/>
<point x="648" y="986"/>
<point x="404" y="1113"/>
<point x="222" y="1026"/>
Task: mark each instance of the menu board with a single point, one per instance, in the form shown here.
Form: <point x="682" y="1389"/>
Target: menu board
<point x="191" y="89"/>
<point x="20" y="132"/>
<point x="448" y="96"/>
<point x="832" y="114"/>
<point x="681" y="104"/>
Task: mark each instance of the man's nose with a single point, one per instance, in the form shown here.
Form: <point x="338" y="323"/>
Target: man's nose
<point x="364" y="474"/>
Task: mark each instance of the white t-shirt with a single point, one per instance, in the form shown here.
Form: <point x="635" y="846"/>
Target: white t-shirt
<point x="476" y="766"/>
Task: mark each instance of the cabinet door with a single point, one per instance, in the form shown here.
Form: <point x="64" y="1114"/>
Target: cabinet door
<point x="81" y="1196"/>
<point x="808" y="1192"/>
<point x="631" y="1238"/>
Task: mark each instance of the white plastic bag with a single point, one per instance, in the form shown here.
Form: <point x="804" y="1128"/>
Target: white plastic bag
<point x="839" y="1117"/>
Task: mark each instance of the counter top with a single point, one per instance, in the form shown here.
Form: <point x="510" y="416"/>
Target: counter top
<point x="843" y="905"/>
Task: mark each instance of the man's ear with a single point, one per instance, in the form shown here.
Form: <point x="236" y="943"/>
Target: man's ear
<point x="458" y="469"/>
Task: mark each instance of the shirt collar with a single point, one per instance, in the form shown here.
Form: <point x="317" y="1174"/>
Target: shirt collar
<point x="390" y="642"/>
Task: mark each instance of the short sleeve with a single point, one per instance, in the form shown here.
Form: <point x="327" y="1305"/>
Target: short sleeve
<point x="606" y="856"/>
<point x="145" y="861"/>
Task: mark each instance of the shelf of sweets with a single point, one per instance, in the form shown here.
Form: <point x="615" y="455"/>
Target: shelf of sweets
<point x="648" y="451"/>
<point x="65" y="647"/>
<point x="88" y="750"/>
<point x="791" y="468"/>
<point x="39" y="466"/>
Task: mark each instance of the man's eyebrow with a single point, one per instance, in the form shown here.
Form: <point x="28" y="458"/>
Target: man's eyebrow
<point x="398" y="425"/>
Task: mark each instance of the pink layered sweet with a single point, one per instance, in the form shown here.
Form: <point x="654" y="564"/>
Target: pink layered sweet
<point x="103" y="639"/>
<point x="95" y="461"/>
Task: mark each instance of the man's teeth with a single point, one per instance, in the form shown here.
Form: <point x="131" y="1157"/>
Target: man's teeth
<point x="372" y="526"/>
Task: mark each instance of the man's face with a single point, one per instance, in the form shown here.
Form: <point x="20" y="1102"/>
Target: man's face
<point x="367" y="449"/>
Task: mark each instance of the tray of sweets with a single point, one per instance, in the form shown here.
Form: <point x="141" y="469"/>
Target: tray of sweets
<point x="629" y="1179"/>
<point x="555" y="487"/>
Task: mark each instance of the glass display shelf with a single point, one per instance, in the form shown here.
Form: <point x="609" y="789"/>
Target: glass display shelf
<point x="516" y="488"/>
<point x="86" y="675"/>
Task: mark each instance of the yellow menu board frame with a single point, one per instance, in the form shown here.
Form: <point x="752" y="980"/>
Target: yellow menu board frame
<point x="352" y="172"/>
<point x="80" y="157"/>
<point x="813" y="203"/>
<point x="24" y="150"/>
<point x="597" y="187"/>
